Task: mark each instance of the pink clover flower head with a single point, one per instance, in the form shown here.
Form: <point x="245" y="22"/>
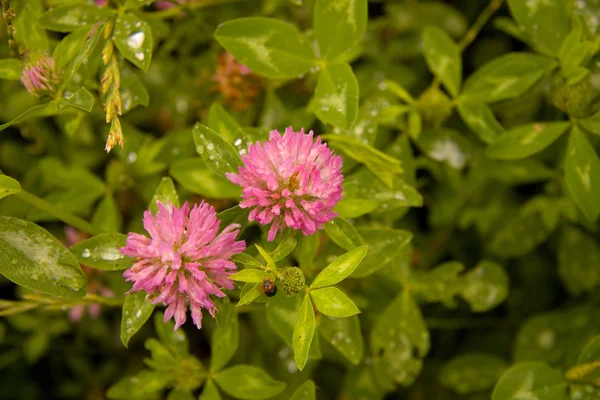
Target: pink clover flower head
<point x="40" y="77"/>
<point x="291" y="180"/>
<point x="184" y="261"/>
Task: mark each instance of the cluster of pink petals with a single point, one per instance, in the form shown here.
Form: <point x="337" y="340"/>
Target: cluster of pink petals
<point x="40" y="77"/>
<point x="185" y="261"/>
<point x="291" y="181"/>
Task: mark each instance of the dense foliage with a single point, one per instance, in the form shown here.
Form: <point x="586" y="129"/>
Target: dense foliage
<point x="462" y="261"/>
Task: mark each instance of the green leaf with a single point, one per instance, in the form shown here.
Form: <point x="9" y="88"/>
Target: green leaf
<point x="31" y="257"/>
<point x="210" y="392"/>
<point x="287" y="245"/>
<point x="445" y="145"/>
<point x="69" y="46"/>
<point x="336" y="96"/>
<point x="247" y="260"/>
<point x="354" y="208"/>
<point x="102" y="252"/>
<point x="382" y="165"/>
<point x="268" y="46"/>
<point x="306" y="250"/>
<point x="546" y="22"/>
<point x="306" y="391"/>
<point x="250" y="292"/>
<point x="218" y="155"/>
<point x="43" y="110"/>
<point x="506" y="77"/>
<point x="485" y="286"/>
<point x="180" y="394"/>
<point x="83" y="55"/>
<point x="145" y="384"/>
<point x="70" y="17"/>
<point x="584" y="376"/>
<point x="472" y="372"/>
<point x="480" y="119"/>
<point x="35" y="346"/>
<point x="345" y="335"/>
<point x="397" y="331"/>
<point x="133" y="92"/>
<point x="397" y="90"/>
<point x="339" y="25"/>
<point x="441" y="283"/>
<point x="591" y="124"/>
<point x="107" y="216"/>
<point x="222" y="122"/>
<point x="340" y="269"/>
<point x="174" y="340"/>
<point x="343" y="234"/>
<point x="526" y="140"/>
<point x="578" y="256"/>
<point x="530" y="380"/>
<point x="248" y="382"/>
<point x="10" y="68"/>
<point x="234" y="215"/>
<point x="266" y="256"/>
<point x="304" y="330"/>
<point x="28" y="32"/>
<point x="8" y="186"/>
<point x="133" y="38"/>
<point x="81" y="99"/>
<point x="194" y="176"/>
<point x="582" y="174"/>
<point x="224" y="341"/>
<point x="162" y="359"/>
<point x="333" y="302"/>
<point x="135" y="4"/>
<point x="384" y="246"/>
<point x="165" y="193"/>
<point x="136" y="311"/>
<point x="443" y="58"/>
<point x="248" y="275"/>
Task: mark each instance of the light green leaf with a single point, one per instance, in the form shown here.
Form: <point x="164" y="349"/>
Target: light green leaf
<point x="341" y="268"/>
<point x="333" y="302"/>
<point x="306" y="391"/>
<point x="506" y="77"/>
<point x="546" y="22"/>
<point x="398" y="330"/>
<point x="218" y="155"/>
<point x="83" y="55"/>
<point x="8" y="186"/>
<point x="339" y="25"/>
<point x="287" y="245"/>
<point x="69" y="46"/>
<point x="485" y="286"/>
<point x="445" y="145"/>
<point x="69" y="17"/>
<point x="384" y="246"/>
<point x="336" y="96"/>
<point x="248" y="275"/>
<point x="268" y="46"/>
<point x="472" y="372"/>
<point x="443" y="58"/>
<point x="250" y="292"/>
<point x="578" y="258"/>
<point x="165" y="193"/>
<point x="145" y="384"/>
<point x="133" y="38"/>
<point x="102" y="252"/>
<point x="10" y="68"/>
<point x="134" y="4"/>
<point x="193" y="175"/>
<point x="396" y="89"/>
<point x="29" y="33"/>
<point x="248" y="382"/>
<point x="343" y="234"/>
<point x="81" y="99"/>
<point x="133" y="92"/>
<point x="224" y="341"/>
<point x="247" y="260"/>
<point x="354" y="208"/>
<point x="479" y="117"/>
<point x="210" y="392"/>
<point x="304" y="330"/>
<point x="223" y="123"/>
<point x="107" y="216"/>
<point x="530" y="380"/>
<point x="31" y="257"/>
<point x="345" y="335"/>
<point x="43" y="110"/>
<point x="582" y="174"/>
<point x="526" y="140"/>
<point x="266" y="256"/>
<point x="382" y="165"/>
<point x="136" y="311"/>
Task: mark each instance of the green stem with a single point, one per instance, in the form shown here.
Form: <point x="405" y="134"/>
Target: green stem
<point x="63" y="215"/>
<point x="479" y="23"/>
<point x="106" y="301"/>
<point x="175" y="11"/>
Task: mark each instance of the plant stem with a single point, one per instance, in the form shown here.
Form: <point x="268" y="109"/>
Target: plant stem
<point x="176" y="10"/>
<point x="479" y="23"/>
<point x="63" y="215"/>
<point x="106" y="301"/>
<point x="9" y="14"/>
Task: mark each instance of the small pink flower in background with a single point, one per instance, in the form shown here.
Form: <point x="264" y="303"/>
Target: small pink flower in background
<point x="290" y="181"/>
<point x="40" y="77"/>
<point x="101" y="3"/>
<point x="94" y="277"/>
<point x="184" y="261"/>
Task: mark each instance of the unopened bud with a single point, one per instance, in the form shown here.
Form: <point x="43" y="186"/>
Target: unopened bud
<point x="291" y="280"/>
<point x="40" y="77"/>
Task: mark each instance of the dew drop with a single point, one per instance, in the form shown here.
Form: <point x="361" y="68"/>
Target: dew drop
<point x="85" y="253"/>
<point x="136" y="40"/>
<point x="131" y="157"/>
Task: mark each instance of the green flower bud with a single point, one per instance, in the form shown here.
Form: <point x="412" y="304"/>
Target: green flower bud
<point x="292" y="280"/>
<point x="578" y="99"/>
<point x="434" y="106"/>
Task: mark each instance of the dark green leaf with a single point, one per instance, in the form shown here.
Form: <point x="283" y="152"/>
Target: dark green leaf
<point x="43" y="110"/>
<point x="193" y="175"/>
<point x="81" y="99"/>
<point x="136" y="311"/>
<point x="165" y="193"/>
<point x="174" y="340"/>
<point x="31" y="257"/>
<point x="210" y="392"/>
<point x="472" y="372"/>
<point x="479" y="117"/>
<point x="10" y="68"/>
<point x="69" y="46"/>
<point x="248" y="382"/>
<point x="445" y="145"/>
<point x="533" y="380"/>
<point x="180" y="394"/>
<point x="384" y="245"/>
<point x="27" y="31"/>
<point x="143" y="385"/>
<point x="485" y="286"/>
<point x="102" y="252"/>
<point x="304" y="330"/>
<point x="218" y="155"/>
<point x="133" y="38"/>
<point x="443" y="58"/>
<point x="70" y="17"/>
<point x="133" y="92"/>
<point x="343" y="234"/>
<point x="107" y="216"/>
<point x="336" y="96"/>
<point x="306" y="391"/>
<point x="578" y="258"/>
<point x="223" y="123"/>
<point x="224" y="341"/>
<point x="345" y="335"/>
<point x="526" y="140"/>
